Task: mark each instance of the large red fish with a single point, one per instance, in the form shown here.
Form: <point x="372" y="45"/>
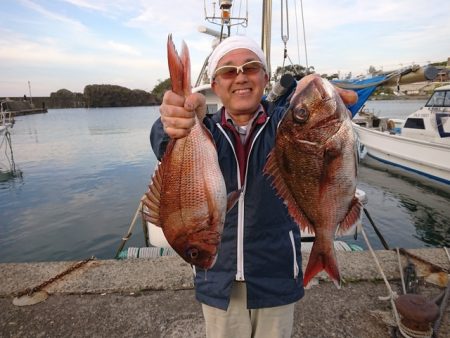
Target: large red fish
<point x="314" y="167"/>
<point x="187" y="195"/>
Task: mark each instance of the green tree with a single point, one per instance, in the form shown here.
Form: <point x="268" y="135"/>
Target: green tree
<point x="159" y="90"/>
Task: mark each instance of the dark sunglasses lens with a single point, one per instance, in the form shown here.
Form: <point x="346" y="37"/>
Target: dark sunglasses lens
<point x="251" y="68"/>
<point x="227" y="72"/>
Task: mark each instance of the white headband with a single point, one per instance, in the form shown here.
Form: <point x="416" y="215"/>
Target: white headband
<point x="232" y="43"/>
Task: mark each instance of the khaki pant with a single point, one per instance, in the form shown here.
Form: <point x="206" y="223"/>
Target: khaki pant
<point x="240" y="322"/>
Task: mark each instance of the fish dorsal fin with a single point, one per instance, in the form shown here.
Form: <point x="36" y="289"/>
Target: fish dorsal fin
<point x="271" y="168"/>
<point x="152" y="197"/>
<point x="352" y="219"/>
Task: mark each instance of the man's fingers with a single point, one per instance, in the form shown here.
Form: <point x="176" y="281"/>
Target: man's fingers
<point x="174" y="111"/>
<point x="196" y="102"/>
<point x="178" y="113"/>
<point x="348" y="96"/>
<point x="170" y="98"/>
<point x="176" y="133"/>
<point x="177" y="122"/>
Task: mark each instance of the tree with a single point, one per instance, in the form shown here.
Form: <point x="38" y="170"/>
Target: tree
<point x="159" y="90"/>
<point x="116" y="96"/>
<point x="297" y="71"/>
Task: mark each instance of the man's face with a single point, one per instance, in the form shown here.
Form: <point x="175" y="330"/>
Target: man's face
<point x="241" y="94"/>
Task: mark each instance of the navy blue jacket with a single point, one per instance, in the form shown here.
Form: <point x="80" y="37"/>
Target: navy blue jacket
<point x="260" y="241"/>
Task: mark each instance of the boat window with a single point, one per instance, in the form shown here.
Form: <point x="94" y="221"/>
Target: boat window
<point x="447" y="99"/>
<point x="414" y="123"/>
<point x="438" y="99"/>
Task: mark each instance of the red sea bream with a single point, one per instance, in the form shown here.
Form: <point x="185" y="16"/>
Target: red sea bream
<point x="314" y="166"/>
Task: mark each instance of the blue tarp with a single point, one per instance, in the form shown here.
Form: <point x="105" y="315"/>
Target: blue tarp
<point x="363" y="87"/>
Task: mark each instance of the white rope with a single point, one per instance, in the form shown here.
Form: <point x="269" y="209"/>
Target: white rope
<point x="392" y="295"/>
<point x="401" y="270"/>
<point x="446" y="251"/>
<point x="406" y="332"/>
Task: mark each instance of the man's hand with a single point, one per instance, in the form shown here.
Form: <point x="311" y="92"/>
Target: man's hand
<point x="178" y="113"/>
<point x="348" y="96"/>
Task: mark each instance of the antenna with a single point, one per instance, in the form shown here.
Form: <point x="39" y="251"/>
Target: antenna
<point x="225" y="19"/>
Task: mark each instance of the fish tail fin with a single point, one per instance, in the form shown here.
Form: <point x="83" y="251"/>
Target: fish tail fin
<point x="186" y="61"/>
<point x="176" y="67"/>
<point x="322" y="260"/>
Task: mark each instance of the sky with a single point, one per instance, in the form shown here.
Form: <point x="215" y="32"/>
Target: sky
<point x="47" y="45"/>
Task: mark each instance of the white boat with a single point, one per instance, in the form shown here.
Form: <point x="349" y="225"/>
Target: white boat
<point x="418" y="147"/>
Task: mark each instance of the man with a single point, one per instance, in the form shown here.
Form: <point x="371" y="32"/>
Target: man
<point x="253" y="286"/>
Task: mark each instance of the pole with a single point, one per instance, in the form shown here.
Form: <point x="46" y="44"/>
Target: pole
<point x="29" y="89"/>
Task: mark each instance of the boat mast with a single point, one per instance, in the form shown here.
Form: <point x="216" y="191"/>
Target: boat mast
<point x="29" y="89"/>
<point x="266" y="31"/>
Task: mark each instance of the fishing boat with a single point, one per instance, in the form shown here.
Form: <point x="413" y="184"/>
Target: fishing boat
<point x="418" y="147"/>
<point x="6" y="120"/>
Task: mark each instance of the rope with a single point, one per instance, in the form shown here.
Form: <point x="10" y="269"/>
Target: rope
<point x="296" y="28"/>
<point x="392" y="295"/>
<point x="401" y="271"/>
<point x="406" y="332"/>
<point x="304" y="36"/>
<point x="130" y="228"/>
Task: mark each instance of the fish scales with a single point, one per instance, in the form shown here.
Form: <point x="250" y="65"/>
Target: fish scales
<point x="314" y="168"/>
<point x="187" y="195"/>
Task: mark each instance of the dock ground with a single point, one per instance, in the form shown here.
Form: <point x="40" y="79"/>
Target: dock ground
<point x="155" y="298"/>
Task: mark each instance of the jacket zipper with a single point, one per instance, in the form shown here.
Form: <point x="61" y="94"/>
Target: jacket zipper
<point x="240" y="230"/>
<point x="240" y="225"/>
<point x="294" y="254"/>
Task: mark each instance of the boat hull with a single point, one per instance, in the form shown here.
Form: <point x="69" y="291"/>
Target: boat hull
<point x="427" y="161"/>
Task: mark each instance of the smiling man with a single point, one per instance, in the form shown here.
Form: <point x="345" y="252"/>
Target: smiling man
<point x="257" y="278"/>
<point x="253" y="286"/>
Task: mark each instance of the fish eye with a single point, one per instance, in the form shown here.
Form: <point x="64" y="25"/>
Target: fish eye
<point x="300" y="115"/>
<point x="192" y="253"/>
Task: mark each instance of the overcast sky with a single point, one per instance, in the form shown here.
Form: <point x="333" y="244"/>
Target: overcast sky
<point x="69" y="44"/>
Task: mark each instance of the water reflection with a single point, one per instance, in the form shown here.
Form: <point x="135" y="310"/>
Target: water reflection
<point x="8" y="168"/>
<point x="418" y="214"/>
<point x="86" y="171"/>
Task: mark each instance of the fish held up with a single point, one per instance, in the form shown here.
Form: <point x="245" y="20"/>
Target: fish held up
<point x="187" y="194"/>
<point x="314" y="167"/>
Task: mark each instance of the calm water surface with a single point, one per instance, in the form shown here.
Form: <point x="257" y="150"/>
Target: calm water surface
<point x="85" y="170"/>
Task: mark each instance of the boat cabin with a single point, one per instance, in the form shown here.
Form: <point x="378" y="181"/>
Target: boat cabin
<point x="431" y="122"/>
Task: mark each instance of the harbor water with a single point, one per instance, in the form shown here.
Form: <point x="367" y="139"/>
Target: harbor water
<point x="80" y="173"/>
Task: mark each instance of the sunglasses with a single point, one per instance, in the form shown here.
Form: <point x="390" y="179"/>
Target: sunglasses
<point x="230" y="72"/>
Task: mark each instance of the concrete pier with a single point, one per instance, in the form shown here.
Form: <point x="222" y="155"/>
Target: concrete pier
<point x="155" y="298"/>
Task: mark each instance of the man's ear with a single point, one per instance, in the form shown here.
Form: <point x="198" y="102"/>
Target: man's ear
<point x="213" y="86"/>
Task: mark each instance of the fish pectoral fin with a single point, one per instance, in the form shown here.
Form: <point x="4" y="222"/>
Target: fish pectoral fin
<point x="352" y="219"/>
<point x="152" y="198"/>
<point x="215" y="217"/>
<point x="271" y="169"/>
<point x="232" y="199"/>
